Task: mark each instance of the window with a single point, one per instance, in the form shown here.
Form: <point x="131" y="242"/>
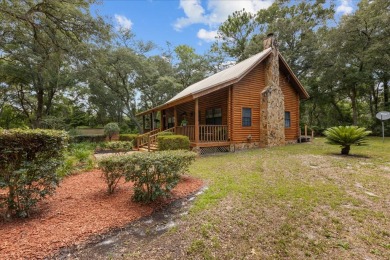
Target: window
<point x="214" y="116"/>
<point x="171" y="122"/>
<point x="287" y="119"/>
<point x="246" y="116"/>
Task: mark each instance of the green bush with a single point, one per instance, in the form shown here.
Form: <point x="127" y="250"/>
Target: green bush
<point x="345" y="136"/>
<point x="156" y="174"/>
<point x="111" y="129"/>
<point x="79" y="157"/>
<point x="113" y="169"/>
<point x="88" y="138"/>
<point x="173" y="142"/>
<point x="128" y="137"/>
<point x="165" y="133"/>
<point x="117" y="146"/>
<point x="28" y="163"/>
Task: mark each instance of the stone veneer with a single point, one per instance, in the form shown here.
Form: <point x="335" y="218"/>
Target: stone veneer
<point x="272" y="101"/>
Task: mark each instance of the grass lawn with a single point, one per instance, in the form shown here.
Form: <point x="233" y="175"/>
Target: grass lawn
<point x="297" y="201"/>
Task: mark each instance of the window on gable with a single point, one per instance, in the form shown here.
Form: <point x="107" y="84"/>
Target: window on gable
<point x="246" y="116"/>
<point x="214" y="116"/>
<point x="287" y="119"/>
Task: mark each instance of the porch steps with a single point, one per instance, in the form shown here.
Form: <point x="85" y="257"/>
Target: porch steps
<point x="153" y="148"/>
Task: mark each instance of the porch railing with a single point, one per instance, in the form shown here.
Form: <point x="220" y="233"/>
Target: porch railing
<point x="188" y="130"/>
<point x="144" y="139"/>
<point x="207" y="133"/>
<point x="213" y="133"/>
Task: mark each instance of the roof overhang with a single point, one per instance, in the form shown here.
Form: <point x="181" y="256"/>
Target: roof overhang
<point x="298" y="85"/>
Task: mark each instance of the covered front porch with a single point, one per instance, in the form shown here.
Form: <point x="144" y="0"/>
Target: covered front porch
<point x="205" y="120"/>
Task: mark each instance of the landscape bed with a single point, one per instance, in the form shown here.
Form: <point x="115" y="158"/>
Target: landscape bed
<point x="80" y="209"/>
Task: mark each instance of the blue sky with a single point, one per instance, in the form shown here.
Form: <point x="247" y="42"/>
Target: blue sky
<point x="191" y="22"/>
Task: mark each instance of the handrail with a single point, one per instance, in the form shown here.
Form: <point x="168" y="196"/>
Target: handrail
<point x="144" y="138"/>
<point x="153" y="138"/>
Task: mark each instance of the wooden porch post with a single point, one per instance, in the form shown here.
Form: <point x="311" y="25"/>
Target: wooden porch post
<point x="151" y="122"/>
<point x="162" y="119"/>
<point x="229" y="114"/>
<point x="175" y="116"/>
<point x="143" y="123"/>
<point x="197" y="121"/>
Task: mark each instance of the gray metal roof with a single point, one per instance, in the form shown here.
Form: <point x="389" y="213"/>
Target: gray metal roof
<point x="229" y="74"/>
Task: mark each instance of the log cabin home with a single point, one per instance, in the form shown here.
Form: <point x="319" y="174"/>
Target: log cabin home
<point x="254" y="103"/>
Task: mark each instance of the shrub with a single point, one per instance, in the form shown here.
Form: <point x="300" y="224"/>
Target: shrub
<point x="345" y="136"/>
<point x="165" y="133"/>
<point x="128" y="137"/>
<point x="156" y="174"/>
<point x="111" y="129"/>
<point x="113" y="168"/>
<point x="117" y="146"/>
<point x="28" y="163"/>
<point x="88" y="138"/>
<point x="173" y="142"/>
<point x="78" y="157"/>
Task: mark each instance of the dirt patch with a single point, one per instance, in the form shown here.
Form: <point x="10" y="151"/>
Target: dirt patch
<point x="80" y="209"/>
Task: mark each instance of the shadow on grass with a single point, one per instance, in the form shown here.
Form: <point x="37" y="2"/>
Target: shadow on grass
<point x="349" y="156"/>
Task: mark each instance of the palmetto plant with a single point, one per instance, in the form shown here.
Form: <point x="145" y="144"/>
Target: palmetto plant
<point x="345" y="136"/>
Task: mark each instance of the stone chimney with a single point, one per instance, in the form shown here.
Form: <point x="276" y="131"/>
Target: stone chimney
<point x="270" y="41"/>
<point x="272" y="100"/>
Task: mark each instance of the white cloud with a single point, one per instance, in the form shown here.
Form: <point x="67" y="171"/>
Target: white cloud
<point x="220" y="10"/>
<point x="345" y="7"/>
<point x="213" y="12"/>
<point x="207" y="36"/>
<point x="123" y="22"/>
<point x="194" y="14"/>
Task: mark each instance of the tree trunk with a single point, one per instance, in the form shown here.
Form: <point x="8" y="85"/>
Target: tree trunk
<point x="386" y="92"/>
<point x="354" y="106"/>
<point x="345" y="150"/>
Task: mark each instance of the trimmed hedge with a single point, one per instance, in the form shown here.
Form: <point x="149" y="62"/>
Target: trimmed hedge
<point x="116" y="146"/>
<point x="113" y="168"/>
<point x="28" y="163"/>
<point x="165" y="133"/>
<point x="154" y="174"/>
<point x="128" y="137"/>
<point x="173" y="142"/>
<point x="88" y="138"/>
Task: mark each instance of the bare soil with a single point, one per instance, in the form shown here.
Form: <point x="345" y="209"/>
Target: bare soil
<point x="80" y="209"/>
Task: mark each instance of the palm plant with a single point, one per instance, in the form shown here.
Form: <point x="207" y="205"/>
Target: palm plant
<point x="345" y="136"/>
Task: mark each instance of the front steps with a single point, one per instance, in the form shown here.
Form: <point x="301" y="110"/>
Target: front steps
<point x="153" y="148"/>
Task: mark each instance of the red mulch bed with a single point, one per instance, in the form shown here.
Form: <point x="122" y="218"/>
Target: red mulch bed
<point x="80" y="209"/>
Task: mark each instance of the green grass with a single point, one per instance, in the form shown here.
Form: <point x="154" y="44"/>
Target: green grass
<point x="297" y="201"/>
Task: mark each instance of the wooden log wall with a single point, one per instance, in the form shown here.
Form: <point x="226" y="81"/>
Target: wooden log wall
<point x="291" y="104"/>
<point x="246" y="94"/>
